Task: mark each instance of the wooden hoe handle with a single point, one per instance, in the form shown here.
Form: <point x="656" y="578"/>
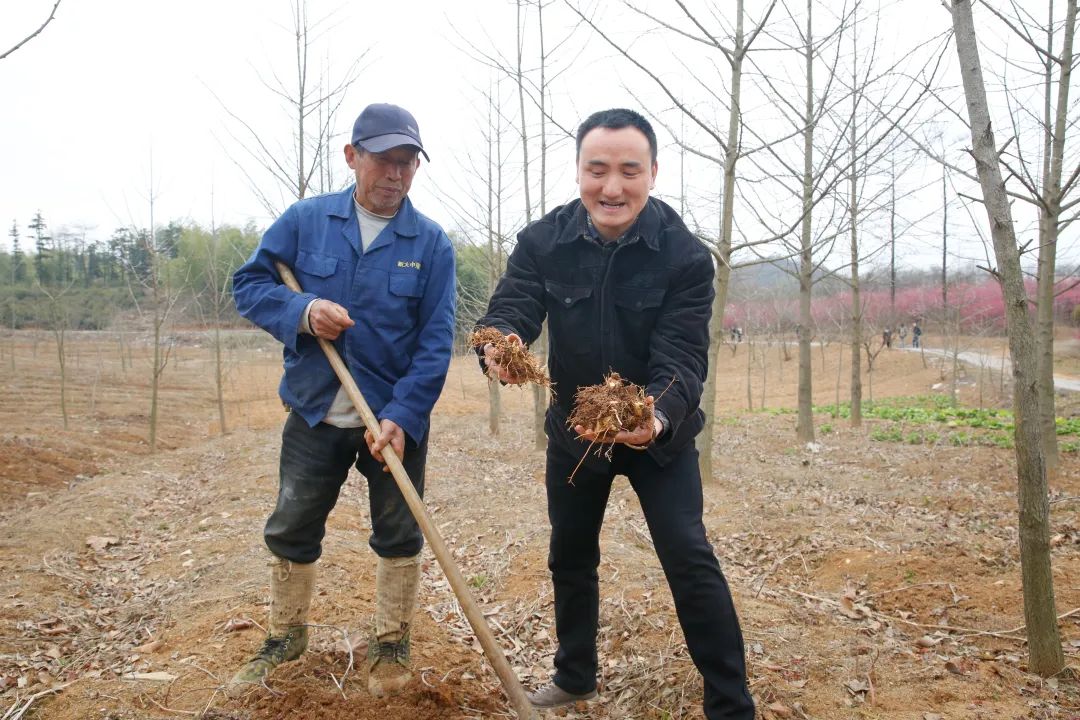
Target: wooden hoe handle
<point x="494" y="653"/>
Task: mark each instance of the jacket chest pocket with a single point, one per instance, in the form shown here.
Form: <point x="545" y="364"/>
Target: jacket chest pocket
<point x="315" y="273"/>
<point x="402" y="301"/>
<point x="571" y="314"/>
<point x="636" y="311"/>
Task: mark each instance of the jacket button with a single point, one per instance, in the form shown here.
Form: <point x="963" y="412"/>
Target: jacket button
<point x="567" y="300"/>
<point x="637" y="304"/>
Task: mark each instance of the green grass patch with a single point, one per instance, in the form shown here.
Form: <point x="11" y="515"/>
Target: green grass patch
<point x="887" y="434"/>
<point x="922" y="410"/>
<point x="930" y="419"/>
<point x="1068" y="426"/>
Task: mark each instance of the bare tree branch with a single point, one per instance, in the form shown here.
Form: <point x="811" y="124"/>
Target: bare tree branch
<point x="1022" y="34"/>
<point x="34" y="34"/>
<point x="655" y="78"/>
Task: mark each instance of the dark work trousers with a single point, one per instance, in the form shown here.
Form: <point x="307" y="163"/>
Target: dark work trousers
<point x="314" y="464"/>
<point x="671" y="499"/>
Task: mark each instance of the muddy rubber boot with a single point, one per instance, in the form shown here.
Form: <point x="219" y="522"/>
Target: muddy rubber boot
<point x="396" y="582"/>
<point x="291" y="585"/>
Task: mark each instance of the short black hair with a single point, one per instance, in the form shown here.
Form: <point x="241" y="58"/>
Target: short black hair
<point x="616" y="119"/>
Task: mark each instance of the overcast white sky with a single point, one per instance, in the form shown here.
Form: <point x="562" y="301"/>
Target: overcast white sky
<point x="110" y="83"/>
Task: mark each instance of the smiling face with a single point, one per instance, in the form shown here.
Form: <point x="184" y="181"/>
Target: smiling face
<point x="615" y="173"/>
<point x="383" y="179"/>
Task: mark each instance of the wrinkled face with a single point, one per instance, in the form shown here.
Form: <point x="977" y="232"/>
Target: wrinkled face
<point x="383" y="179"/>
<point x="615" y="173"/>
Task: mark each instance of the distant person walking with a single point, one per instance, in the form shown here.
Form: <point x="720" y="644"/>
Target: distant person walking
<point x="903" y="334"/>
<point x="886" y="337"/>
<point x="916" y="335"/>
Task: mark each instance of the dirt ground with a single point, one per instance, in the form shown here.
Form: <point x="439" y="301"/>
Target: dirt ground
<point x="873" y="579"/>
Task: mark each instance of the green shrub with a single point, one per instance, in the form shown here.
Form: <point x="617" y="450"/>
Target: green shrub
<point x="891" y="434"/>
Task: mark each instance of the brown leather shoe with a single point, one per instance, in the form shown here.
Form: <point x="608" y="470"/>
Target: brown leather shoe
<point x="552" y="695"/>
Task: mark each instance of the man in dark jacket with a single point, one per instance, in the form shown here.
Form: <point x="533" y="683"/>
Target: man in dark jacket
<point x="378" y="279"/>
<point x="625" y="287"/>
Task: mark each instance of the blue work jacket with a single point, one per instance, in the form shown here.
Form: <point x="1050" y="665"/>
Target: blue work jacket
<point x="401" y="294"/>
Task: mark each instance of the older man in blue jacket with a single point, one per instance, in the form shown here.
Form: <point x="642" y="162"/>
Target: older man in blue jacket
<point x="378" y="280"/>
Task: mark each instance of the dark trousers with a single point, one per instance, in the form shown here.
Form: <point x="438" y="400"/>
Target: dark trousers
<point x="671" y="499"/>
<point x="315" y="462"/>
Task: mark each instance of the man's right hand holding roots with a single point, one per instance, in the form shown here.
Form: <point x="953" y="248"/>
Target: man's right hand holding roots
<point x="496" y="370"/>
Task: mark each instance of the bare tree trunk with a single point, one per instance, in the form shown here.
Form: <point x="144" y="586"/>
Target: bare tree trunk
<point x="219" y="376"/>
<point x="300" y="28"/>
<point x="1001" y="375"/>
<point x="12" y="359"/>
<point x="151" y="250"/>
<point x="944" y="242"/>
<point x="839" y="374"/>
<point x="494" y="143"/>
<point x="59" y="332"/>
<point x="892" y="240"/>
<point x="855" y="418"/>
<point x="539" y="394"/>
<point x="704" y="440"/>
<point x="540" y="349"/>
<point x="870" y="383"/>
<point x="749" y="385"/>
<point x="219" y="287"/>
<point x="722" y="281"/>
<point x="94" y="386"/>
<point x="805" y="427"/>
<point x="955" y="367"/>
<point x="982" y="372"/>
<point x="1044" y="641"/>
<point x="1044" y="324"/>
<point x="162" y="300"/>
<point x="764" y="375"/>
<point x="156" y="374"/>
<point x="1049" y="226"/>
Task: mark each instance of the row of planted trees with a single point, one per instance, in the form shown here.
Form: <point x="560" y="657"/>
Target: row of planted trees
<point x="140" y="277"/>
<point x="811" y="139"/>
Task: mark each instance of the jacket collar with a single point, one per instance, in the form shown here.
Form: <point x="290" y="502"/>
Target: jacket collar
<point x="342" y="206"/>
<point x="646" y="226"/>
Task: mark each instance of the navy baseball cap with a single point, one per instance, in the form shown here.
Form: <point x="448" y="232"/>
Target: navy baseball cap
<point x="382" y="126"/>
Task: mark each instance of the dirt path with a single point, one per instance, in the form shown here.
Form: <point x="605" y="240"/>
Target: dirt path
<point x="980" y="359"/>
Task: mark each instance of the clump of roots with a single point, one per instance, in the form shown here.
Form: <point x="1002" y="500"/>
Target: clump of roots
<point x="613" y="406"/>
<point x="515" y="358"/>
<point x="610" y="407"/>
